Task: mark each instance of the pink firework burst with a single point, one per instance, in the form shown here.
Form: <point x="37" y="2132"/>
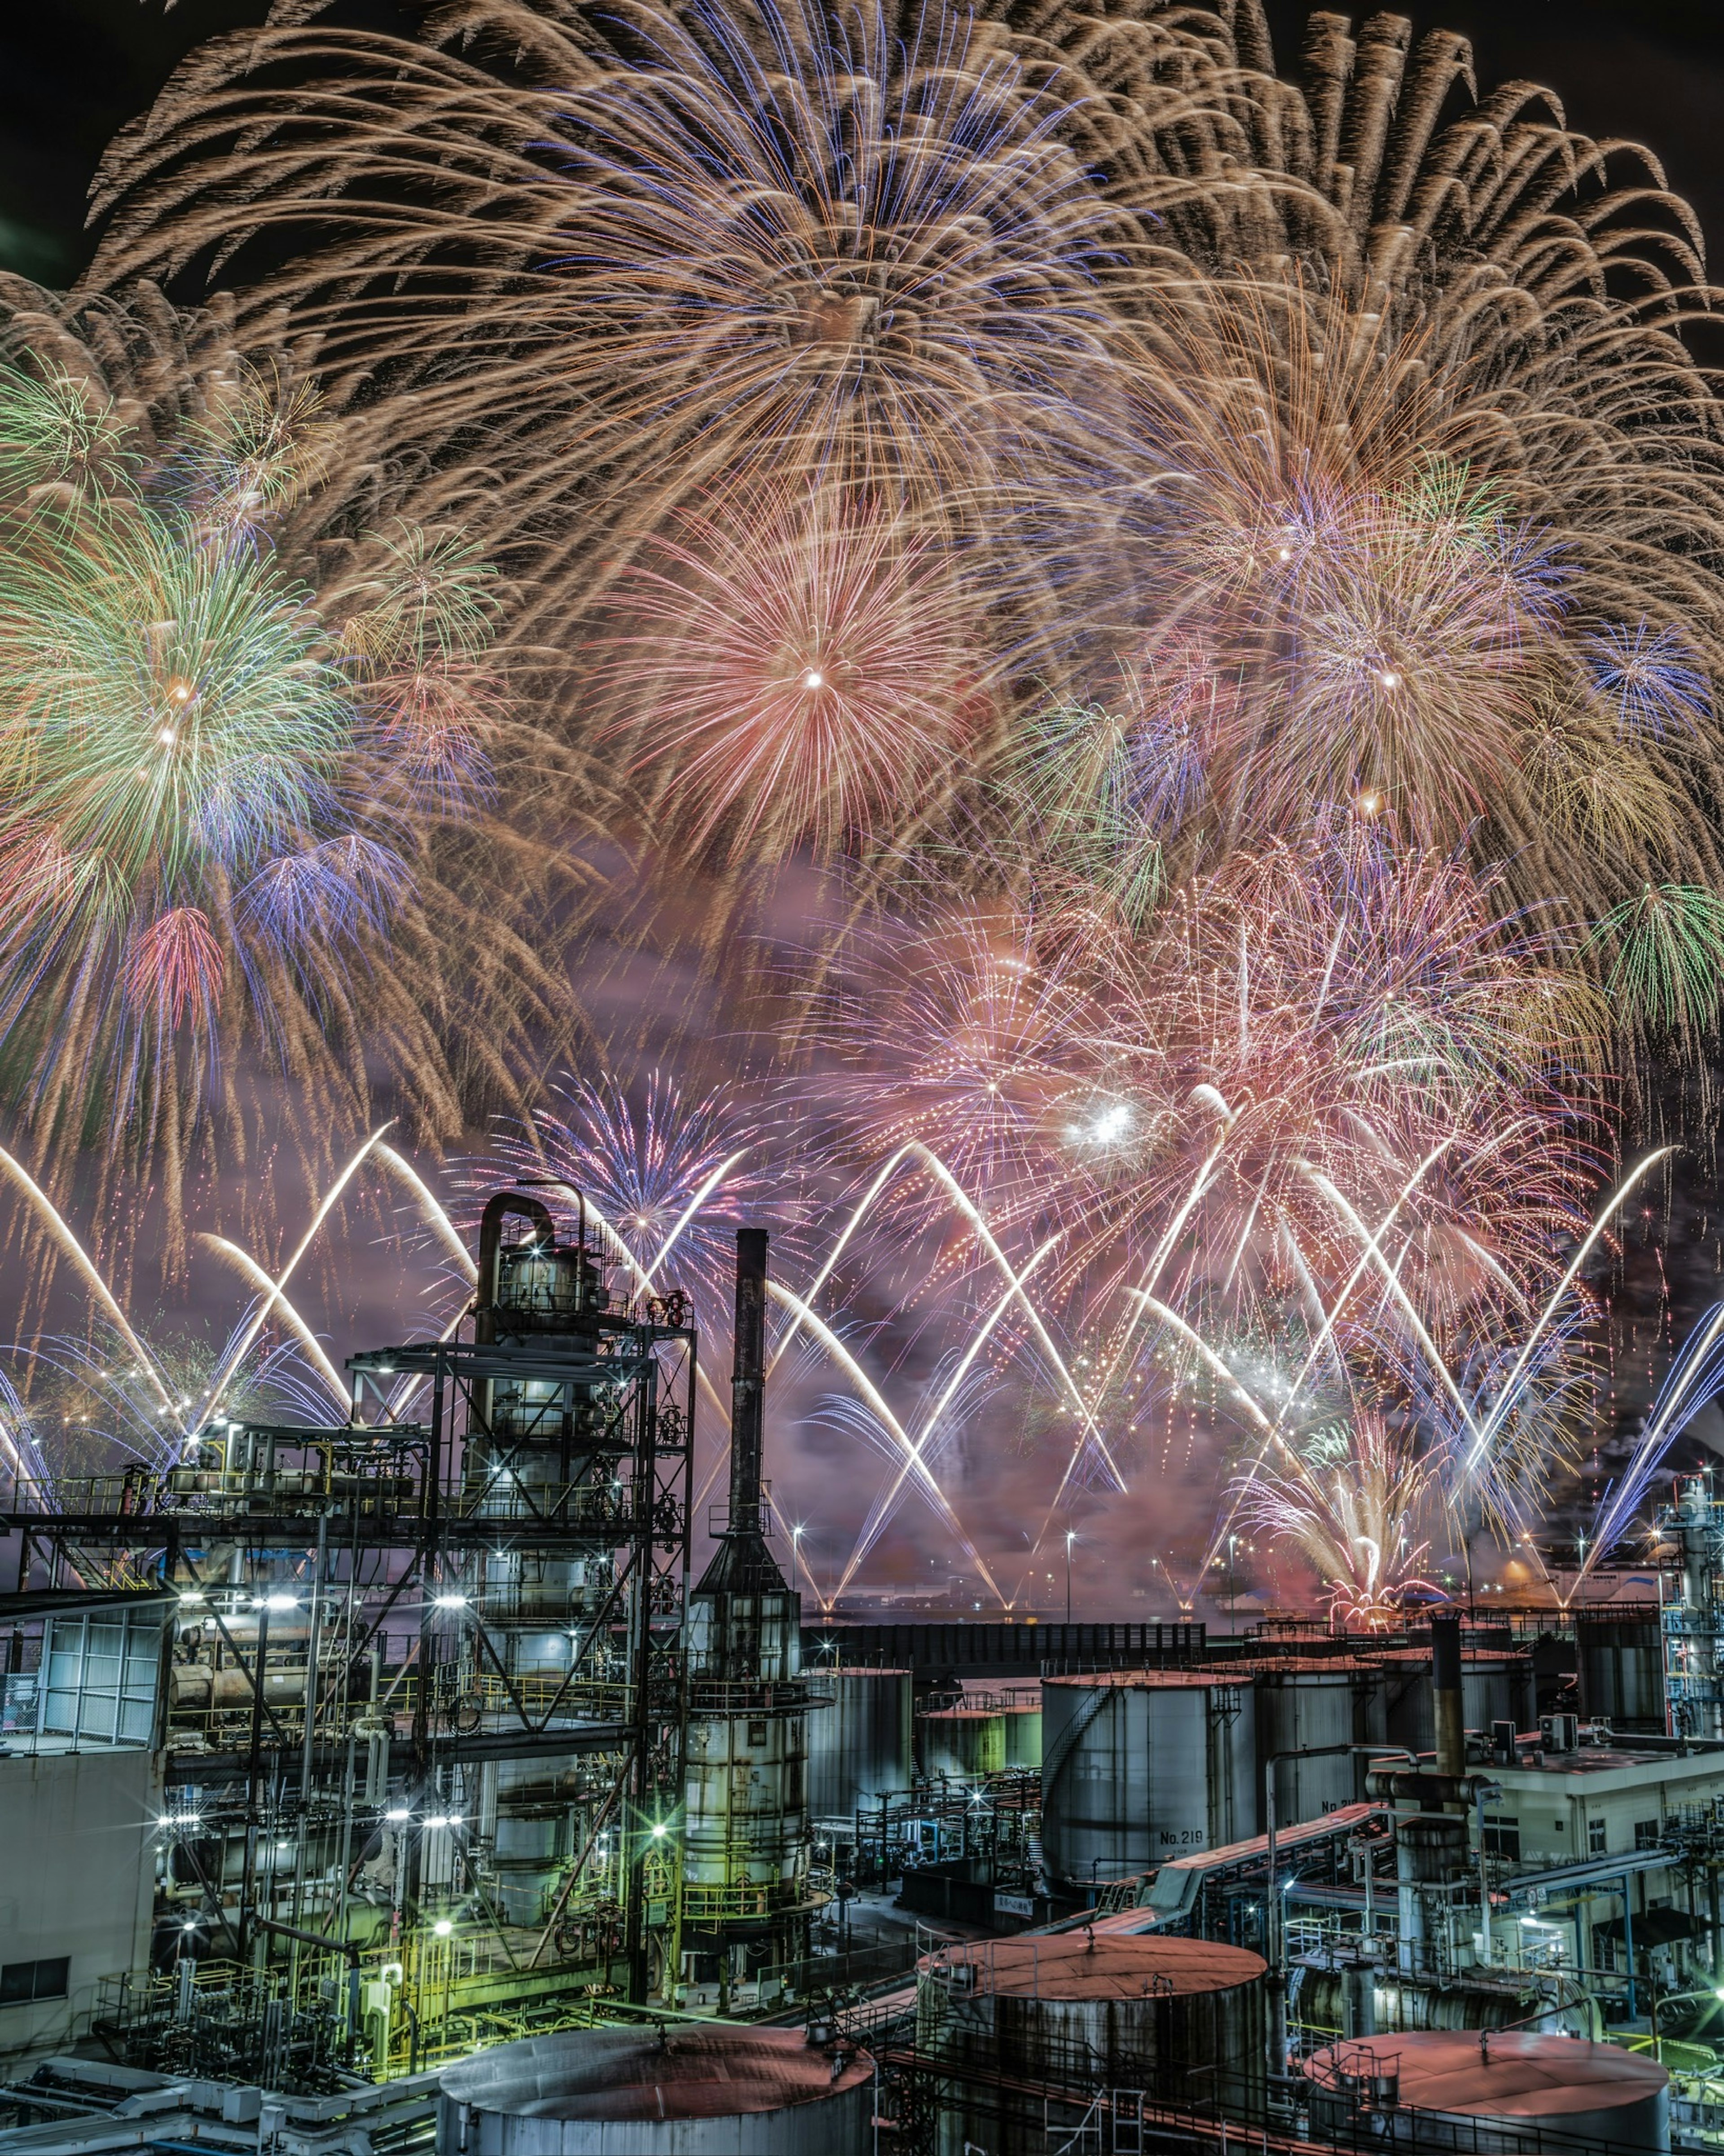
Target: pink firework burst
<point x="794" y="670"/>
<point x="176" y="968"/>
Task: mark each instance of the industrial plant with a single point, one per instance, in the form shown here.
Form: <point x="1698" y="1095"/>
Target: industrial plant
<point x="414" y="1788"/>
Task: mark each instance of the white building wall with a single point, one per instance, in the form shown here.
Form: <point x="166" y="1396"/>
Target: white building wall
<point x="77" y="1865"/>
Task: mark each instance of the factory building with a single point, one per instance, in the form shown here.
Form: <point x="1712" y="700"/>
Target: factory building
<point x="402" y="1778"/>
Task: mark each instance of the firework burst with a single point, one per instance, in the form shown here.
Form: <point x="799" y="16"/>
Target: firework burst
<point x="670" y="1176"/>
<point x="794" y="670"/>
<point x="1355" y="1501"/>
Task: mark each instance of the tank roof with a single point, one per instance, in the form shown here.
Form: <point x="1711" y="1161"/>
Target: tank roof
<point x="1517" y="2075"/>
<point x="1329" y="1666"/>
<point x="1507" y="1654"/>
<point x="1095" y="1964"/>
<point x="960" y="1713"/>
<point x="687" y="2070"/>
<point x="1147" y="1679"/>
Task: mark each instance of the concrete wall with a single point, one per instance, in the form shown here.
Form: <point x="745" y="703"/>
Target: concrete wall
<point x="77" y="1864"/>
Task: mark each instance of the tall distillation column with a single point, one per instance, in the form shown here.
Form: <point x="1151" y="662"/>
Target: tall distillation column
<point x="1692" y="1593"/>
<point x="746" y="1842"/>
<point x="534" y="1441"/>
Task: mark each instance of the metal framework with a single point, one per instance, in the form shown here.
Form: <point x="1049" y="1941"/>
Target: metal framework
<point x="426" y="1696"/>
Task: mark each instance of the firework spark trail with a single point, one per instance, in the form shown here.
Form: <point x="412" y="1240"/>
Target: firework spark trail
<point x="653" y="1160"/>
<point x="862" y="1210"/>
<point x="1695" y="1379"/>
<point x="431" y="1208"/>
<point x="1354" y="1516"/>
<point x="266" y="1305"/>
<point x="278" y="1306"/>
<point x="870" y="1393"/>
<point x="979" y="1340"/>
<point x="1264" y="460"/>
<point x="207" y="812"/>
<point x="29" y="1463"/>
<point x="799" y="241"/>
<point x="1617" y="1199"/>
<point x="1482" y="1430"/>
<point x="90" y="1272"/>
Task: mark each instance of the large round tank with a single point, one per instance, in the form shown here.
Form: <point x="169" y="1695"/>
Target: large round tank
<point x="1496" y="2094"/>
<point x="1621" y="1660"/>
<point x="1400" y="2003"/>
<point x="745" y="1827"/>
<point x="1182" y="2019"/>
<point x="745" y="1844"/>
<point x="859" y="1746"/>
<point x="1141" y="1765"/>
<point x="711" y="2089"/>
<point x="1496" y="1685"/>
<point x="1306" y="1703"/>
<point x="963" y="1743"/>
<point x="1023" y="1734"/>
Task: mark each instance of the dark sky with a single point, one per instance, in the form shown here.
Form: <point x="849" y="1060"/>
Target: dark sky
<point x="72" y="70"/>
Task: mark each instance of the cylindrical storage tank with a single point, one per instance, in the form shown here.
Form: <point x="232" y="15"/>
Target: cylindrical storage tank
<point x="1621" y="1661"/>
<point x="689" y="2090"/>
<point x="1403" y="2003"/>
<point x="963" y="1743"/>
<point x="1496" y="2096"/>
<point x="860" y="1747"/>
<point x="1184" y="2020"/>
<point x="1141" y="1765"/>
<point x="1496" y="1687"/>
<point x="746" y="1820"/>
<point x="1306" y="1704"/>
<point x="1024" y="1735"/>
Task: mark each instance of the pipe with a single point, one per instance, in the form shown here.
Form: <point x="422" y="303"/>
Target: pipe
<point x="1448" y="1695"/>
<point x="498" y="1207"/>
<point x="349" y="1949"/>
<point x="748" y="1381"/>
<point x="1483" y="1793"/>
<point x="1274" y="1928"/>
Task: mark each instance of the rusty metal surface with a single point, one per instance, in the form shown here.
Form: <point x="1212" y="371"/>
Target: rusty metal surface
<point x="1516" y="2074"/>
<point x="687" y="2071"/>
<point x="1094" y="1963"/>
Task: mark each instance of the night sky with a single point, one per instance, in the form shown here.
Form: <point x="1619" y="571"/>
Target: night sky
<point x="71" y="71"/>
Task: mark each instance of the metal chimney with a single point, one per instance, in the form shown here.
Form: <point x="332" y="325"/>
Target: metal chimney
<point x="1447" y="1698"/>
<point x="748" y="1373"/>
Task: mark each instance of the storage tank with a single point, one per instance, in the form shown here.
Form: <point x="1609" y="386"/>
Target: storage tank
<point x="1491" y="2095"/>
<point x="1496" y="1685"/>
<point x="963" y="1743"/>
<point x="686" y="2089"/>
<point x="1023" y="1734"/>
<point x="1183" y="2020"/>
<point x="1399" y="2004"/>
<point x="1621" y="1661"/>
<point x="859" y="1746"/>
<point x="1141" y="1765"/>
<point x="1305" y="1702"/>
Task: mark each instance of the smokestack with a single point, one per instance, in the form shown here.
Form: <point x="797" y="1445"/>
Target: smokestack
<point x="748" y="1372"/>
<point x="1447" y="1698"/>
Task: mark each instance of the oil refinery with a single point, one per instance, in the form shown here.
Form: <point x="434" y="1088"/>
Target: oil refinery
<point x="413" y="1787"/>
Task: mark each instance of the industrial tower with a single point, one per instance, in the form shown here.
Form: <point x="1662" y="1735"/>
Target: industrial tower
<point x="746" y="1894"/>
<point x="420" y="1736"/>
